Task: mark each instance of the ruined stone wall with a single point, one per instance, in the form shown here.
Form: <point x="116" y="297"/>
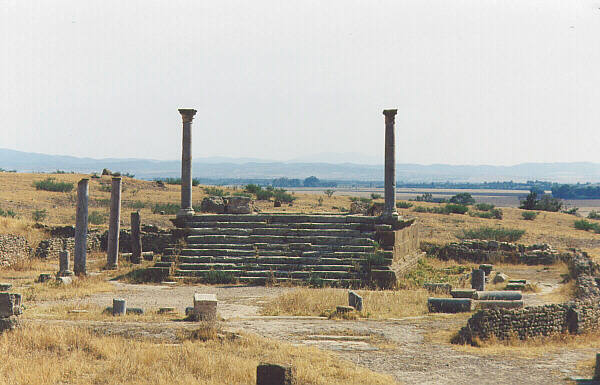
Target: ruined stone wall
<point x="575" y="317"/>
<point x="13" y="248"/>
<point x="49" y="248"/>
<point x="406" y="248"/>
<point x="154" y="240"/>
<point x="479" y="251"/>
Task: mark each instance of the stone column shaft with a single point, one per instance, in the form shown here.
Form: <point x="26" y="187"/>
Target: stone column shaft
<point x="136" y="239"/>
<point x="187" y="116"/>
<point x="81" y="226"/>
<point x="390" y="163"/>
<point x="112" y="249"/>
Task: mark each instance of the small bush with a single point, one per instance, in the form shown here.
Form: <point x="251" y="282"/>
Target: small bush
<point x="39" y="215"/>
<point x="491" y="214"/>
<point x="493" y="233"/>
<point x="462" y="199"/>
<point x="403" y="205"/>
<point x="283" y="196"/>
<point x="583" y="224"/>
<point x="242" y="194"/>
<point x="219" y="276"/>
<point x="168" y="208"/>
<point x="96" y="218"/>
<point x="252" y="188"/>
<point x="50" y="184"/>
<point x="572" y="211"/>
<point x="484" y="206"/>
<point x="7" y="213"/>
<point x="593" y="215"/>
<point x="529" y="215"/>
<point x="376" y="196"/>
<point x="263" y="195"/>
<point x="214" y="191"/>
<point x="195" y="182"/>
<point x="329" y="193"/>
<point x="455" y="208"/>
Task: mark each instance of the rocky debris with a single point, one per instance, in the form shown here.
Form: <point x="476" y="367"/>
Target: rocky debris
<point x="213" y="204"/>
<point x="438" y="287"/>
<point x="500" y="278"/>
<point x="13" y="249"/>
<point x="480" y="251"/>
<point x="355" y="300"/>
<point x="238" y="205"/>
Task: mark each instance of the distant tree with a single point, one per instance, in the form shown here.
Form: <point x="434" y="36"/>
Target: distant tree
<point x="530" y="201"/>
<point x="329" y="192"/>
<point x="312" y="181"/>
<point x="463" y="199"/>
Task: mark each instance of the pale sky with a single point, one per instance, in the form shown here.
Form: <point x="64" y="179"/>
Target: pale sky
<point x="474" y="81"/>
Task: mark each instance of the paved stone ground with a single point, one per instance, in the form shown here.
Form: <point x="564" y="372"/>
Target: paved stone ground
<point x="397" y="347"/>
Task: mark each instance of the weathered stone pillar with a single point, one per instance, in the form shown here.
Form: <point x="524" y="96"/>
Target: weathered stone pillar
<point x="81" y="225"/>
<point x="186" y="163"/>
<point x="63" y="264"/>
<point x="112" y="249"/>
<point x="389" y="208"/>
<point x="597" y="370"/>
<point x="478" y="279"/>
<point x="136" y="239"/>
<point x="119" y="306"/>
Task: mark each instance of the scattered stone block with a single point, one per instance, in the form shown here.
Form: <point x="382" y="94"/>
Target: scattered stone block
<point x="500" y="278"/>
<point x="462" y="293"/>
<point x="135" y="310"/>
<point x="189" y="310"/>
<point x="515" y="286"/>
<point x="81" y="311"/>
<point x="355" y="300"/>
<point x="277" y="204"/>
<point x="10" y="304"/>
<point x="495" y="304"/>
<point x="44" y="277"/>
<point x="344" y="309"/>
<point x="119" y="306"/>
<point x="64" y="280"/>
<point x="166" y="310"/>
<point x="478" y="279"/>
<point x="5" y="286"/>
<point x="449" y="305"/>
<point x="487" y="268"/>
<point x="436" y="287"/>
<point x="205" y="307"/>
<point x="213" y="204"/>
<point x="272" y="374"/>
<point x="498" y="295"/>
<point x="523" y="281"/>
<point x="238" y="205"/>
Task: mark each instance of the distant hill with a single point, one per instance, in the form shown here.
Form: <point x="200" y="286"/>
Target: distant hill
<point x="247" y="168"/>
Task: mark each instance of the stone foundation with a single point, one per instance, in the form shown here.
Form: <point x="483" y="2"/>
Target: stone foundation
<point x="13" y="248"/>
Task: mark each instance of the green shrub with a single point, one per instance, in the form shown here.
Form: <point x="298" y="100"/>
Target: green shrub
<point x="283" y="196"/>
<point x="102" y="202"/>
<point x="7" y="213"/>
<point x="138" y="205"/>
<point x="50" y="184"/>
<point x="593" y="215"/>
<point x="39" y="215"/>
<point x="195" y="182"/>
<point x="484" y="206"/>
<point x="529" y="215"/>
<point x="168" y="208"/>
<point x="493" y="233"/>
<point x="572" y="211"/>
<point x="455" y="208"/>
<point x="96" y="218"/>
<point x="404" y="205"/>
<point x="545" y="203"/>
<point x="242" y="194"/>
<point x="432" y="210"/>
<point x="219" y="277"/>
<point x="263" y="195"/>
<point x="214" y="191"/>
<point x="583" y="224"/>
<point x="462" y="199"/>
<point x="252" y="188"/>
<point x="376" y="196"/>
<point x="491" y="214"/>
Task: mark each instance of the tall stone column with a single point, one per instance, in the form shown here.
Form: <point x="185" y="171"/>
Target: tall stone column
<point x="186" y="163"/>
<point x="81" y="227"/>
<point x="390" y="164"/>
<point x="136" y="239"/>
<point x="112" y="249"/>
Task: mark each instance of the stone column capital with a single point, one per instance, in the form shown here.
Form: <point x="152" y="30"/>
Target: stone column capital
<point x="187" y="114"/>
<point x="390" y="113"/>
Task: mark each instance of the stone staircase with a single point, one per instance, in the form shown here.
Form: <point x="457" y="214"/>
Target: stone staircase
<point x="338" y="250"/>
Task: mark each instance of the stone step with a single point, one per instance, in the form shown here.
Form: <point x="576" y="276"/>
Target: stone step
<point x="264" y="266"/>
<point x="272" y="260"/>
<point x="279" y="232"/>
<point x="278" y="246"/>
<point x="265" y="224"/>
<point x="282" y="218"/>
<point x="270" y="273"/>
<point x="292" y="253"/>
<point x="324" y="281"/>
<point x="314" y="240"/>
<point x="163" y="264"/>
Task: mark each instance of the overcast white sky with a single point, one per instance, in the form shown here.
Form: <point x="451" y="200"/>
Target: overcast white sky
<point x="474" y="81"/>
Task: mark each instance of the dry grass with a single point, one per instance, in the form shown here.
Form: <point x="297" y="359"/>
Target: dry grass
<point x="93" y="312"/>
<point x="16" y="226"/>
<point x="321" y="302"/>
<point x="59" y="355"/>
<point x="561" y="294"/>
<point x="80" y="288"/>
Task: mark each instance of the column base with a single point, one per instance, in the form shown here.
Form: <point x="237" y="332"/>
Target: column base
<point x="189" y="212"/>
<point x="64" y="273"/>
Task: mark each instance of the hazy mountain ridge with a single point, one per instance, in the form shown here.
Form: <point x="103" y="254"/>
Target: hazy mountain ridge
<point x="221" y="167"/>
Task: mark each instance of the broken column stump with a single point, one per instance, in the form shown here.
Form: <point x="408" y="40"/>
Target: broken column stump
<point x="119" y="306"/>
<point x="136" y="239"/>
<point x="63" y="264"/>
<point x="355" y="300"/>
<point x="273" y="374"/>
<point x="478" y="279"/>
<point x="10" y="308"/>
